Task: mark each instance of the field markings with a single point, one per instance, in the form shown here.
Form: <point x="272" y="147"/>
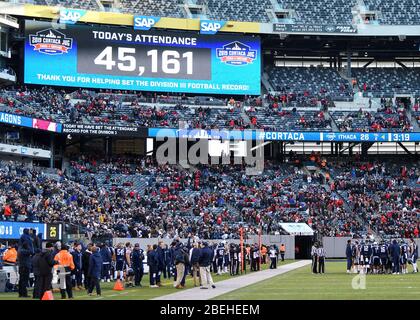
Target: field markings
<point x="232" y="284"/>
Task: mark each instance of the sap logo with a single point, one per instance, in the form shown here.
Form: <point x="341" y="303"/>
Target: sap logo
<point x="71" y="16"/>
<point x="144" y="22"/>
<point x="211" y="27"/>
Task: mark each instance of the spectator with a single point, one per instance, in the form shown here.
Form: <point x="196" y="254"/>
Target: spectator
<point x="95" y="270"/>
<point x="25" y="251"/>
<point x="45" y="264"/>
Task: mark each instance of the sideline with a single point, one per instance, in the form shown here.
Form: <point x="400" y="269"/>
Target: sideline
<point x="229" y="285"/>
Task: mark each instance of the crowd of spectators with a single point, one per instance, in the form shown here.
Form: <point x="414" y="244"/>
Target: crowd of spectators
<point x="275" y="119"/>
<point x="380" y="82"/>
<point x="385" y="195"/>
<point x="213" y="201"/>
<point x="389" y="117"/>
<point x="283" y="111"/>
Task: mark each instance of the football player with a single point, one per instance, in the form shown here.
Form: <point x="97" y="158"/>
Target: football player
<point x="376" y="261"/>
<point x="356" y="257"/>
<point x="414" y="253"/>
<point x="119" y="257"/>
<point x="129" y="272"/>
<point x="404" y="257"/>
<point x="226" y="259"/>
<point x="234" y="259"/>
<point x="383" y="255"/>
<point x="219" y="256"/>
<point x="366" y="254"/>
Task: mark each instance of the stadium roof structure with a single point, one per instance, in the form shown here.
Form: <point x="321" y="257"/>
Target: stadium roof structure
<point x="300" y="229"/>
<point x="123" y="19"/>
<point x="275" y="28"/>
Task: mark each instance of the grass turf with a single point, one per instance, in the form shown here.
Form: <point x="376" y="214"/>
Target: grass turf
<point x="335" y="284"/>
<point x="137" y="293"/>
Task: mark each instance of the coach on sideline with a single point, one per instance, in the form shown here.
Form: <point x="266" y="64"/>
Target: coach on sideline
<point x="204" y="261"/>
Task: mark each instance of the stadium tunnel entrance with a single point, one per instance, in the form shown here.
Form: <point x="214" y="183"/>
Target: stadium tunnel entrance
<point x="303" y="246"/>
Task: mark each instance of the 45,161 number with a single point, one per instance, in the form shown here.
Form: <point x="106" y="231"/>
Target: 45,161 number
<point x="169" y="60"/>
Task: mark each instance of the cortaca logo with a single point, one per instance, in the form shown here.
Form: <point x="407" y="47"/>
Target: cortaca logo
<point x="50" y="41"/>
<point x="236" y="53"/>
<point x="145" y="22"/>
<point x="330" y="136"/>
<point x="211" y="27"/>
<point x="71" y="16"/>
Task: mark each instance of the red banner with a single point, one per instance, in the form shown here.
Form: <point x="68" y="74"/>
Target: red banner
<point x="237" y="58"/>
<point x="55" y="47"/>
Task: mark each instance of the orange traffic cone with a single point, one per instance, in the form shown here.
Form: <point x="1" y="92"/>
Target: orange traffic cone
<point x="118" y="286"/>
<point x="48" y="295"/>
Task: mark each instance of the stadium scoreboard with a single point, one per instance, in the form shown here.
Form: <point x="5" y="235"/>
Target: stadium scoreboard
<point x="125" y="59"/>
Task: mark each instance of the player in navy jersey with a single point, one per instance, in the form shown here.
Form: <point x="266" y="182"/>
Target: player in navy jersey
<point x="120" y="256"/>
<point x="219" y="256"/>
<point x="226" y="259"/>
<point x="390" y="257"/>
<point x="414" y="254"/>
<point x="395" y="254"/>
<point x="234" y="259"/>
<point x="403" y="257"/>
<point x="366" y="254"/>
<point x="376" y="260"/>
<point x="129" y="272"/>
<point x="383" y="255"/>
<point x="112" y="265"/>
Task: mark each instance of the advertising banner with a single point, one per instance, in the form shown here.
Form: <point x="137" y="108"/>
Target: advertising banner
<point x="314" y="28"/>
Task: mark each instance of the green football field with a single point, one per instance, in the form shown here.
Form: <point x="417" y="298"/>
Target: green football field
<point x="299" y="284"/>
<point x="138" y="293"/>
<point x="335" y="284"/>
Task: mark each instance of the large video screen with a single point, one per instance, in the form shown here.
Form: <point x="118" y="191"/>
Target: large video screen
<point x="125" y="59"/>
